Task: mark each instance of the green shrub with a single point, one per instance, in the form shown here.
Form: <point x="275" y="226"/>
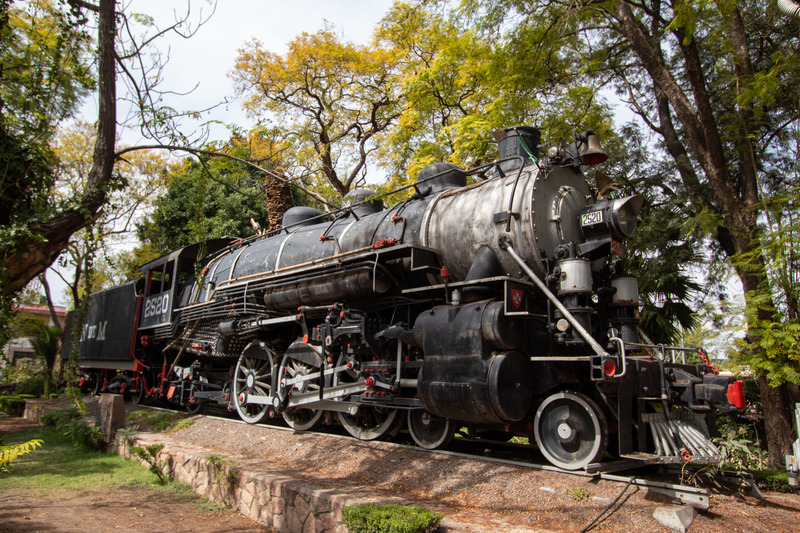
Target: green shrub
<point x="70" y="423"/>
<point x="33" y="385"/>
<point x="58" y="419"/>
<point x="81" y="434"/>
<point x="12" y="405"/>
<point x="390" y="518"/>
<point x="21" y="370"/>
<point x="183" y="424"/>
<point x="776" y="481"/>
<point x="149" y="454"/>
<point x="739" y="446"/>
<point x="126" y="436"/>
<point x="579" y="494"/>
<point x="163" y="421"/>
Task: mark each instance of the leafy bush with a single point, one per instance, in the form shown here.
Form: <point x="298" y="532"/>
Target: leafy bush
<point x="390" y="518"/>
<point x="12" y="405"/>
<point x="33" y="385"/>
<point x="773" y="481"/>
<point x="21" y="370"/>
<point x="739" y="446"/>
<point x="81" y="434"/>
<point x="58" y="419"/>
<point x="579" y="494"/>
<point x="126" y="437"/>
<point x="149" y="454"/>
<point x="71" y="424"/>
<point x="162" y="421"/>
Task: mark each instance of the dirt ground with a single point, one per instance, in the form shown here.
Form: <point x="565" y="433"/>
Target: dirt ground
<point x="474" y="495"/>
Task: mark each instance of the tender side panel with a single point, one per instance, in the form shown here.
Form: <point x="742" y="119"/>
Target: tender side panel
<point x="108" y="328"/>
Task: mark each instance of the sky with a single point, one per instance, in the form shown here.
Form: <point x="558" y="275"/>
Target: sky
<point x="208" y="56"/>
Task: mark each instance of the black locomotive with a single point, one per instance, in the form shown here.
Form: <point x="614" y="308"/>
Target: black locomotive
<point x="491" y="301"/>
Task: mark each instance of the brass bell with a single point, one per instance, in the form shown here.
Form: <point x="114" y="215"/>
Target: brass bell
<point x="592" y="152"/>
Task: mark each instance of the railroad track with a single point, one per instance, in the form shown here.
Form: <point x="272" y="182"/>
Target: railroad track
<point x="522" y="455"/>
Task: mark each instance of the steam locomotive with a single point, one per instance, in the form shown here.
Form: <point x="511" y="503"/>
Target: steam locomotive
<point x="491" y="302"/>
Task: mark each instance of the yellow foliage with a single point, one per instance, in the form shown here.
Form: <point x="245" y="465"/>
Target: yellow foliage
<point x="8" y="454"/>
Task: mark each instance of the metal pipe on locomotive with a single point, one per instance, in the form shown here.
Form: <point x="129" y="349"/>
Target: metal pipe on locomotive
<point x="498" y="307"/>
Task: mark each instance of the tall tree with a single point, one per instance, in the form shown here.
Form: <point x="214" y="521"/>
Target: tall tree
<point x="331" y="97"/>
<point x="716" y="81"/>
<point x="460" y="83"/>
<point x="38" y="241"/>
<point x="52" y="66"/>
<point x="204" y="199"/>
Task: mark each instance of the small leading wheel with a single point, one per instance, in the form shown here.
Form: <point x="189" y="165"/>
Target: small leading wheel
<point x="298" y="418"/>
<point x="428" y="430"/>
<point x="253" y="378"/>
<point x="370" y="423"/>
<point x="570" y="430"/>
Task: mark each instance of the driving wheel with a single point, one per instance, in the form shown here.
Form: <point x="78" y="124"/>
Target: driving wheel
<point x="298" y="418"/>
<point x="253" y="378"/>
<point x="370" y="423"/>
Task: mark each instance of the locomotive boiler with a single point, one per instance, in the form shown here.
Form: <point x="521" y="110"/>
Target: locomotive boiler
<point x="491" y="302"/>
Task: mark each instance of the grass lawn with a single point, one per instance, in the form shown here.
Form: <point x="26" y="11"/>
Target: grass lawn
<point x="59" y="466"/>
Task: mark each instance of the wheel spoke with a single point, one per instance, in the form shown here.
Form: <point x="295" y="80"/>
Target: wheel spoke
<point x="369" y="423"/>
<point x="300" y="419"/>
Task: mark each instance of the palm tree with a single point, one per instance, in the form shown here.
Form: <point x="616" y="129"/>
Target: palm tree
<point x="46" y="343"/>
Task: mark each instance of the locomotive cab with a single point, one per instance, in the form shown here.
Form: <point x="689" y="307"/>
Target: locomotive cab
<point x="170" y="280"/>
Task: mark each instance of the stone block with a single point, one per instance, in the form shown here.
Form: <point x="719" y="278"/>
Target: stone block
<point x="310" y="525"/>
<point x="301" y="507"/>
<point x="247" y="497"/>
<point x="326" y="522"/>
<point x="293" y="522"/>
<point x="279" y="522"/>
<point x="112" y="415"/>
<point x="33" y="411"/>
<point x="277" y="505"/>
<point x="675" y="517"/>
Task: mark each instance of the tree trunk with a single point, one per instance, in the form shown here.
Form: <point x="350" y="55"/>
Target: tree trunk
<point x="279" y="200"/>
<point x="777" y="407"/>
<point x="50" y="306"/>
<point x="36" y="252"/>
<point x="738" y="234"/>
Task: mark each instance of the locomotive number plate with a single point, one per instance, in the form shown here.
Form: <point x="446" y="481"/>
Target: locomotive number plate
<point x="591" y="218"/>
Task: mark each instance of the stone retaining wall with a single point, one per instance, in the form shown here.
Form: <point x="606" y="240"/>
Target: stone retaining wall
<point x="34" y="410"/>
<point x="275" y="499"/>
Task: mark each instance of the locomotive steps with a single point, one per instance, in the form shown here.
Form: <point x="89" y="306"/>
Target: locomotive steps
<point x="300" y="482"/>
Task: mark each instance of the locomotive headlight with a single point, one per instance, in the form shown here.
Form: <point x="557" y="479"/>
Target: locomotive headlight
<point x="616" y="218"/>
